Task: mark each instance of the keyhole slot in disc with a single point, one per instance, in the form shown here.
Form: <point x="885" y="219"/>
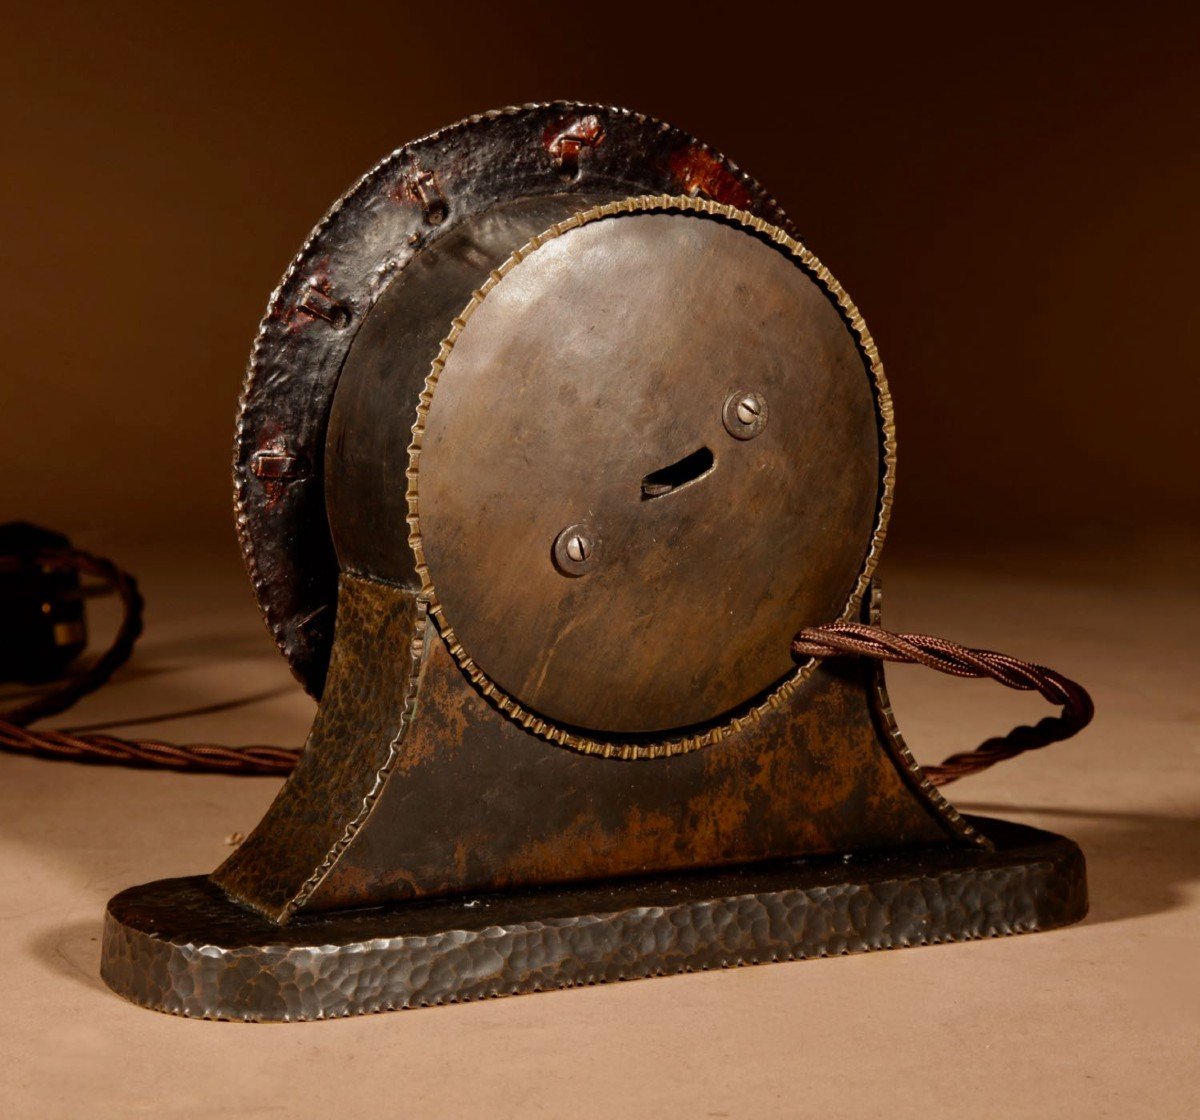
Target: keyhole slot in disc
<point x="675" y="476"/>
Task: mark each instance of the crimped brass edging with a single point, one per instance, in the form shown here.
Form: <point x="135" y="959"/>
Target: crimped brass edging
<point x="881" y="702"/>
<point x="507" y="704"/>
<point x="416" y="662"/>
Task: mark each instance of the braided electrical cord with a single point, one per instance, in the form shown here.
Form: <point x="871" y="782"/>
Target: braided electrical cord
<point x="839" y="639"/>
<point x="16" y="736"/>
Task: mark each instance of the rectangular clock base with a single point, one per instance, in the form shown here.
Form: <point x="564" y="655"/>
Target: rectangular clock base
<point x="181" y="946"/>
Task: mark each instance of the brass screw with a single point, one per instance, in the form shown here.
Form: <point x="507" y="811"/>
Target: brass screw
<point x="579" y="548"/>
<point x="745" y="414"/>
<point x="575" y="550"/>
<point x="748" y="409"/>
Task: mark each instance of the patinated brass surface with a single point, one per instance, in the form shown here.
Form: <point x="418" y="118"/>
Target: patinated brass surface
<point x="460" y="797"/>
<point x="414" y="199"/>
<point x="387" y="366"/>
<point x="593" y="358"/>
<point x="371" y="417"/>
<point x="374" y="674"/>
<point x="180" y="946"/>
<point x="596" y="453"/>
<point x="604" y="355"/>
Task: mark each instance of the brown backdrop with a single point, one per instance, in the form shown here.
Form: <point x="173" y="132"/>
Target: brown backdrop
<point x="1011" y="199"/>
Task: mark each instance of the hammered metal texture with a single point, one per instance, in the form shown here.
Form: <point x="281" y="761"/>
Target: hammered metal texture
<point x="180" y="946"/>
<point x="330" y="791"/>
<point x="415" y="196"/>
<point x="461" y="798"/>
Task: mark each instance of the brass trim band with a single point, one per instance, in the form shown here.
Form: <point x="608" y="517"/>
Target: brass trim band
<point x="508" y="704"/>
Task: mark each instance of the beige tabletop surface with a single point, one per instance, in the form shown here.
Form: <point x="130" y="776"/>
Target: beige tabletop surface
<point x="1097" y="1020"/>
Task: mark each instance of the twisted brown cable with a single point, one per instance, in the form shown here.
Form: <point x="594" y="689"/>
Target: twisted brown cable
<point x="16" y="736"/>
<point x="839" y="639"/>
<point x="830" y="640"/>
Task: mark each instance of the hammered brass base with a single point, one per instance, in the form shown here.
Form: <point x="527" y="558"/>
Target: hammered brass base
<point x="180" y="946"/>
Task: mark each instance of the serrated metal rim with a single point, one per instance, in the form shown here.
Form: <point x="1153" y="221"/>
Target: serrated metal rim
<point x="276" y="620"/>
<point x="504" y="701"/>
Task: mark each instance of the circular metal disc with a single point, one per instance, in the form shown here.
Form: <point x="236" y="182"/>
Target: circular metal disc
<point x="418" y="195"/>
<point x="587" y="395"/>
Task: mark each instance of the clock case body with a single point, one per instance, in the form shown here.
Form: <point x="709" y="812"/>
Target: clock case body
<point x="441" y="839"/>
